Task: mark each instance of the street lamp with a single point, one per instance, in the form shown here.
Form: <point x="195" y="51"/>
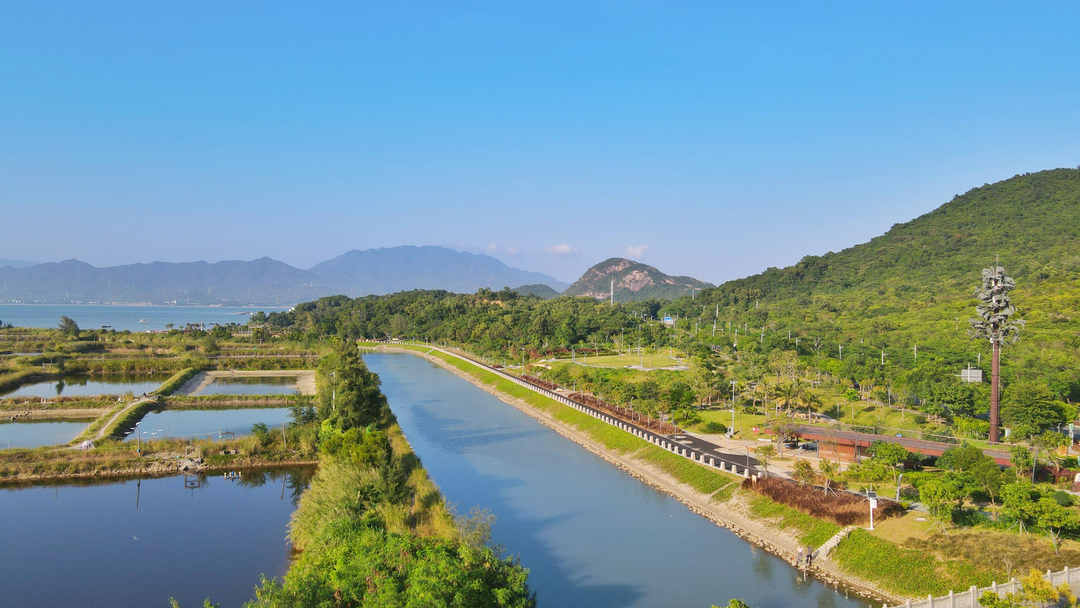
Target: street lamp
<point x="731" y="432"/>
<point x="872" y="497"/>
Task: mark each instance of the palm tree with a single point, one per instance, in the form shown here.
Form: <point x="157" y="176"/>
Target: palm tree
<point x="766" y="392"/>
<point x="813" y="402"/>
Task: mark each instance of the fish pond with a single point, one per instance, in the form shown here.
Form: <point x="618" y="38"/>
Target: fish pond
<point x="90" y="386"/>
<point x="140" y="542"/>
<point x="207" y="424"/>
<point x="261" y="385"/>
<point x="24" y="434"/>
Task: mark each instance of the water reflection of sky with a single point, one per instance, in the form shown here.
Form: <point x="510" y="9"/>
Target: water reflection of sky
<point x="138" y="543"/>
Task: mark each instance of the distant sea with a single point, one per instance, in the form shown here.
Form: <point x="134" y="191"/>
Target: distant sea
<point x="124" y="317"/>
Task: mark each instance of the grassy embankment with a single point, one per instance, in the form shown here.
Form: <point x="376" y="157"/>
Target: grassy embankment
<point x="211" y="402"/>
<point x="907" y="572"/>
<point x="120" y="459"/>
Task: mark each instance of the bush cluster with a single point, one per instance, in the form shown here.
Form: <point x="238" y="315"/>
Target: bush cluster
<point x="841" y="508"/>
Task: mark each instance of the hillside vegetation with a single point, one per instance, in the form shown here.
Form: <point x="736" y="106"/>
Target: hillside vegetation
<point x="914" y="284"/>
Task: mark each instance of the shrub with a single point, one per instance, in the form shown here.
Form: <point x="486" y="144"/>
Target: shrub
<point x="841" y="508"/>
<point x="715" y="428"/>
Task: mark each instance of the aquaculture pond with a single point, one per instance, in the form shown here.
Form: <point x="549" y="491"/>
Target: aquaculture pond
<point x="24" y="434"/>
<point x="262" y="385"/>
<point x="207" y="423"/>
<point x="138" y="543"/>
<point x="590" y="534"/>
<point x="89" y="386"/>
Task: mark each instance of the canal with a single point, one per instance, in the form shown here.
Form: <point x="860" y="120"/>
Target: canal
<point x="591" y="535"/>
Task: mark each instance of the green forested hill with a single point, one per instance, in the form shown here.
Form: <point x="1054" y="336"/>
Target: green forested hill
<point x="914" y="285"/>
<point x="1032" y="222"/>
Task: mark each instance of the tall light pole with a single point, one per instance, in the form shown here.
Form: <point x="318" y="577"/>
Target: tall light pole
<point x="732" y="431"/>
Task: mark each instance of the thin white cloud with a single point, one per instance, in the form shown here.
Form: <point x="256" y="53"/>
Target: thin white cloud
<point x="561" y="249"/>
<point x="636" y="251"/>
<point x="507" y="250"/>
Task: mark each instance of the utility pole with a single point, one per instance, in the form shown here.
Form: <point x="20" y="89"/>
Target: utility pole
<point x="841" y="352"/>
<point x="882" y="358"/>
<point x="612" y="292"/>
<point x="916" y="349"/>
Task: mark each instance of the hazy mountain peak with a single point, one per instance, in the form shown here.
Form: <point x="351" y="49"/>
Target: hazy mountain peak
<point x="632" y="281"/>
<point x="393" y="269"/>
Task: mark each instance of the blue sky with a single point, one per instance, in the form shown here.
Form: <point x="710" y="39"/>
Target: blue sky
<point x="713" y="139"/>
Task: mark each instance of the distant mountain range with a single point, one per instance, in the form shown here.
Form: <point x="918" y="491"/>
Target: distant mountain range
<point x="263" y="281"/>
<point x="390" y="270"/>
<point x="15" y="263"/>
<point x="633" y="281"/>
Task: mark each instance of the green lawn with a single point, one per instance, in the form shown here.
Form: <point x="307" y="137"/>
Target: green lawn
<point x="618" y="361"/>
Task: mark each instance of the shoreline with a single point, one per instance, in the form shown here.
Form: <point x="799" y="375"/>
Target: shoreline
<point x="759" y="533"/>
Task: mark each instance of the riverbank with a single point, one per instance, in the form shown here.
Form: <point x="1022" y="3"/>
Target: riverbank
<point x="705" y="491"/>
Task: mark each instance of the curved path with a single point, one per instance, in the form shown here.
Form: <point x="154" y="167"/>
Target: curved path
<point x="141" y="400"/>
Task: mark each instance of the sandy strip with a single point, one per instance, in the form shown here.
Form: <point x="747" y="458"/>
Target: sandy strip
<point x="305" y="379"/>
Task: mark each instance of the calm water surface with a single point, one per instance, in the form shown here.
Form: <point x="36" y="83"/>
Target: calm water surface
<point x="37" y="434"/>
<point x="207" y="423"/>
<point x="591" y="535"/>
<point x="89" y="386"/>
<point x="138" y="543"/>
<point x="269" y="385"/>
<point x="125" y="317"/>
